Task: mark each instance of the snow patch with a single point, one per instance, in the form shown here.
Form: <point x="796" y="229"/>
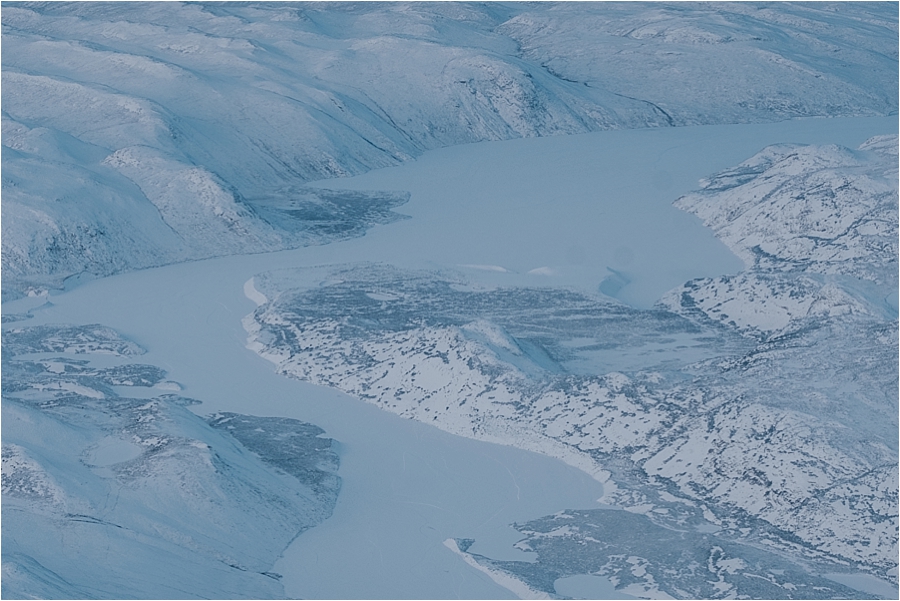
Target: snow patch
<point x="495" y="268"/>
<point x="518" y="588"/>
<point x="253" y="294"/>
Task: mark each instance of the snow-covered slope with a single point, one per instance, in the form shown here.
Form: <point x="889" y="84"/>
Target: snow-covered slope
<point x="826" y="210"/>
<point x="762" y="405"/>
<point x="142" y="134"/>
<point x="110" y="496"/>
<point x="816" y="227"/>
<point x="745" y="61"/>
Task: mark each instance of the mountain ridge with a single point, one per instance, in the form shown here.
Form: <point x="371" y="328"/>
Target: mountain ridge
<point x="234" y="102"/>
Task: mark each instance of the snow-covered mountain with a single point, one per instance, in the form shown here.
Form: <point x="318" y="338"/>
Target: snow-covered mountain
<point x="112" y="488"/>
<point x="816" y="228"/>
<point x="144" y="134"/>
<point x="815" y="209"/>
<point x="762" y="405"/>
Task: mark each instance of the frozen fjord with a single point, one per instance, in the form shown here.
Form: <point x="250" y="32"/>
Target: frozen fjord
<point x="389" y="329"/>
<point x="406" y="486"/>
<point x="574" y="210"/>
<point x="188" y="316"/>
<point x="187" y="113"/>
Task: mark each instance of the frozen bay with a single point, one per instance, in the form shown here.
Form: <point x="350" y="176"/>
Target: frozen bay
<point x="566" y="208"/>
<point x="575" y="210"/>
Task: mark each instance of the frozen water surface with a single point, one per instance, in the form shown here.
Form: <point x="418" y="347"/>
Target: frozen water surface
<point x="570" y="209"/>
<point x="586" y="586"/>
<point x="566" y="209"/>
<point x="866" y="583"/>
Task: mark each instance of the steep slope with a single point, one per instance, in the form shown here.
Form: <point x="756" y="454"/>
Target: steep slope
<point x="111" y="496"/>
<point x="816" y="228"/>
<point x="746" y="61"/>
<point x="138" y="135"/>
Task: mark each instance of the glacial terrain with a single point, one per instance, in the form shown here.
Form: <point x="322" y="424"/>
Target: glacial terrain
<point x="569" y="368"/>
<point x="761" y="405"/>
<point x="135" y="495"/>
<point x="201" y="123"/>
<point x="562" y="300"/>
<point x="627" y="395"/>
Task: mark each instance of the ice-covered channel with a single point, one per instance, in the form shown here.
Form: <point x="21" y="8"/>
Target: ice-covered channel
<point x="579" y="210"/>
<point x="564" y="209"/>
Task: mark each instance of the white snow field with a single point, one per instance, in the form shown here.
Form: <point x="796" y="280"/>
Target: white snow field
<point x="563" y="300"/>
